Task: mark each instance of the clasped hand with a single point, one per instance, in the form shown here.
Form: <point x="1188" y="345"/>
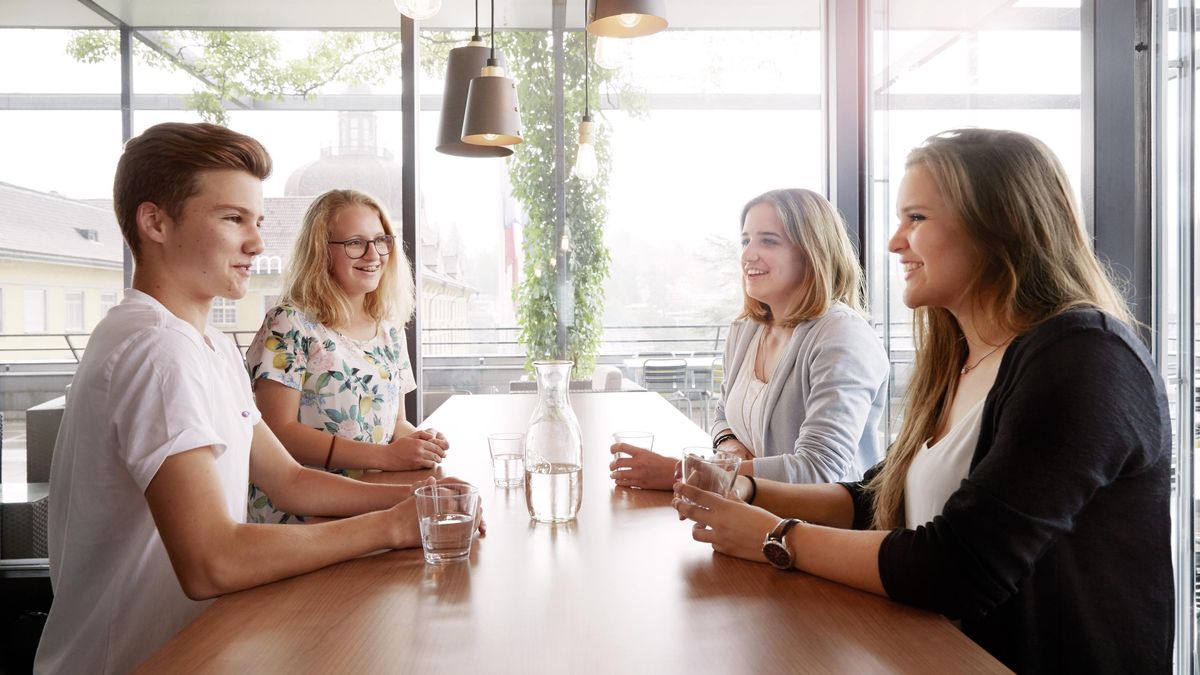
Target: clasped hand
<point x="421" y="449"/>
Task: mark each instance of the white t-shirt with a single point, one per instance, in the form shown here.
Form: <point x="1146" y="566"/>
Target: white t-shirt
<point x="938" y="469"/>
<point x="148" y="386"/>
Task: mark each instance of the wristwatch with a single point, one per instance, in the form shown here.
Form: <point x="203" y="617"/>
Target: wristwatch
<point x="774" y="549"/>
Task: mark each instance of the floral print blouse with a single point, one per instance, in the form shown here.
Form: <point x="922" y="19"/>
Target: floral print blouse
<point x="349" y="388"/>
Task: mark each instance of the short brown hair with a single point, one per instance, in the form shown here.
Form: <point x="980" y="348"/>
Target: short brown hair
<point x="160" y="166"/>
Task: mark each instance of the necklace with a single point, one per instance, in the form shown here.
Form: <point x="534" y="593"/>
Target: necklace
<point x="969" y="367"/>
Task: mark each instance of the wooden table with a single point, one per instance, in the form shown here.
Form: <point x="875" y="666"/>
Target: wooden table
<point x="622" y="589"/>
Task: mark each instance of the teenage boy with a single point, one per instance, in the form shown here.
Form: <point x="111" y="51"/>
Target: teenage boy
<point x="161" y="435"/>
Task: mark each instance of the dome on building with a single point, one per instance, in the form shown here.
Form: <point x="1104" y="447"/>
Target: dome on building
<point x="357" y="163"/>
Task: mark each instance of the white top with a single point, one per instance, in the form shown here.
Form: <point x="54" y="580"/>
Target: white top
<point x="746" y="404"/>
<point x="938" y="470"/>
<point x="148" y="387"/>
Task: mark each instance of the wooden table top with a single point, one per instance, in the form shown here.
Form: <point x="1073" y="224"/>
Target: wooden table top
<point x="622" y="589"/>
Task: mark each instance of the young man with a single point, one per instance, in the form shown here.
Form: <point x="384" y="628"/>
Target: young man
<point x="161" y="435"/>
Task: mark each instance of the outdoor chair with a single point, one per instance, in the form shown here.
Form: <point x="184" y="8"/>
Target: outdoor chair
<point x="668" y="377"/>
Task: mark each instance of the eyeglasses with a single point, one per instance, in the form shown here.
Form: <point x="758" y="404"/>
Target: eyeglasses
<point x="357" y="248"/>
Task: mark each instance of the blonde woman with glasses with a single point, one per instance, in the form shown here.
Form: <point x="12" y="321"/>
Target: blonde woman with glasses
<point x="805" y="375"/>
<point x="1027" y="494"/>
<point x="330" y="365"/>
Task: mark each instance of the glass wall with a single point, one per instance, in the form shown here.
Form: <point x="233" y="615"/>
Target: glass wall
<point x="931" y="71"/>
<point x="744" y="116"/>
<point x="60" y="252"/>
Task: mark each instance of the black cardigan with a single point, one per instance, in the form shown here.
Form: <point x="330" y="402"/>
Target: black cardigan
<point x="1055" y="550"/>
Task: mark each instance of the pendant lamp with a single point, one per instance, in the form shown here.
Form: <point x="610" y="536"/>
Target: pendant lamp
<point x="492" y="116"/>
<point x="464" y="64"/>
<point x="627" y="18"/>
<point x="418" y="9"/>
<point x="585" y="156"/>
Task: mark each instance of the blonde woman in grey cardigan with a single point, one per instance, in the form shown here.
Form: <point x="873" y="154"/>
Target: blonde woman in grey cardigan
<point x="805" y="375"/>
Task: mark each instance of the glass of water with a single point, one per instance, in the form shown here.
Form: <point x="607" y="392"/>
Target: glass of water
<point x="641" y="439"/>
<point x="447" y="516"/>
<point x="709" y="470"/>
<point x="508" y="459"/>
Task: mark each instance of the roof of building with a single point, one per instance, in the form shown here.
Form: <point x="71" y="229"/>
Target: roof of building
<point x="48" y="227"/>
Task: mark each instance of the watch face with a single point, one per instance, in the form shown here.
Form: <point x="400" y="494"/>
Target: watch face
<point x="777" y="554"/>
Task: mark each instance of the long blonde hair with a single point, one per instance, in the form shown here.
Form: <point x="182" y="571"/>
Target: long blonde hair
<point x="310" y="287"/>
<point x="831" y="270"/>
<point x="1014" y="201"/>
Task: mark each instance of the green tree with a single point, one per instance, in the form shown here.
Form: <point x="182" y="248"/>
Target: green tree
<point x="230" y="67"/>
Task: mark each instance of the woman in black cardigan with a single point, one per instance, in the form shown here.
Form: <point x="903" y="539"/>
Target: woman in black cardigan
<point x="1027" y="493"/>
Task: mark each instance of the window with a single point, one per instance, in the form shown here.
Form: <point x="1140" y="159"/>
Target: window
<point x="108" y="300"/>
<point x="73" y="308"/>
<point x="656" y="124"/>
<point x="35" y="310"/>
<point x="934" y="71"/>
<point x="223" y="312"/>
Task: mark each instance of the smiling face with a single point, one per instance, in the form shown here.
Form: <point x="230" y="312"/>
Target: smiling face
<point x="208" y="249"/>
<point x="936" y="256"/>
<point x="361" y="276"/>
<point x="773" y="267"/>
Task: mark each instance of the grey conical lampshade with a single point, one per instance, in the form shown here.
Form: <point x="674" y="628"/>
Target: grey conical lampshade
<point x="463" y="66"/>
<point x="492" y="116"/>
<point x="627" y="18"/>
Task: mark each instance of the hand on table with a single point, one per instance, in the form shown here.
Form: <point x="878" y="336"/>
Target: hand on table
<point x="642" y="469"/>
<point x="730" y="525"/>
<point x="422" y="449"/>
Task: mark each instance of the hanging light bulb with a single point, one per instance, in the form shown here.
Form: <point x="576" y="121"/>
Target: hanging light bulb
<point x="418" y="9"/>
<point x="492" y="116"/>
<point x="607" y="54"/>
<point x="463" y="65"/>
<point x="585" y="158"/>
<point x="627" y="18"/>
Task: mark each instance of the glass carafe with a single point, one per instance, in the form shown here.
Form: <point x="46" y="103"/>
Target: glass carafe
<point x="553" y="448"/>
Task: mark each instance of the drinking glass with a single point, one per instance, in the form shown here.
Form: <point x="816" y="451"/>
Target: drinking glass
<point x="508" y="458"/>
<point x="447" y="516"/>
<point x="641" y="439"/>
<point x="709" y="470"/>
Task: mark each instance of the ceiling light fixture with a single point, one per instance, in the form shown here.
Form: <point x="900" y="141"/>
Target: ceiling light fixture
<point x="627" y="18"/>
<point x="492" y="116"/>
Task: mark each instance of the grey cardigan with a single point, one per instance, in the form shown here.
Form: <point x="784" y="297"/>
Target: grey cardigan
<point x="824" y="401"/>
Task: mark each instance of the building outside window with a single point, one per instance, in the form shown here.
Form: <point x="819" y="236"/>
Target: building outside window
<point x="73" y="312"/>
<point x="223" y="312"/>
<point x="108" y="300"/>
<point x="35" y="310"/>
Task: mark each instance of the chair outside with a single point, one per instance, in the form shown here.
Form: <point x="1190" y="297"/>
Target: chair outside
<point x="667" y="377"/>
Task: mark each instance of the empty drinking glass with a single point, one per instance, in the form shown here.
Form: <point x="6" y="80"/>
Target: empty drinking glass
<point x="709" y="470"/>
<point x="641" y="439"/>
<point x="508" y="458"/>
<point x="447" y="516"/>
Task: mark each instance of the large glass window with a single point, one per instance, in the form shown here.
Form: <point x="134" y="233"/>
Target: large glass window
<point x="933" y="70"/>
<point x="742" y="117"/>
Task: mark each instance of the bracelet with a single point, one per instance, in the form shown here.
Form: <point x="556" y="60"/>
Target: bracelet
<point x="753" y="489"/>
<point x="722" y="438"/>
<point x="329" y="456"/>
